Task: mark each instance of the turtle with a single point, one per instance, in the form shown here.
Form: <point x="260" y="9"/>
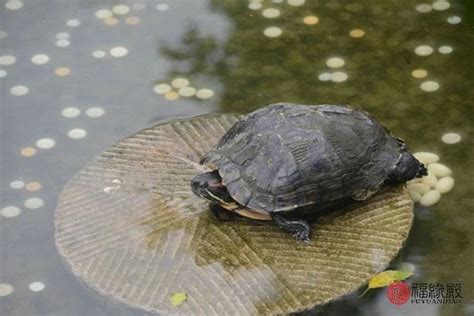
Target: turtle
<point x="289" y="162"/>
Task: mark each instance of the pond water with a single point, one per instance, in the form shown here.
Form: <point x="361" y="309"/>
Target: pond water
<point x="77" y="76"/>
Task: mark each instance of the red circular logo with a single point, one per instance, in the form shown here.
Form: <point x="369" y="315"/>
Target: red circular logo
<point x="398" y="293"/>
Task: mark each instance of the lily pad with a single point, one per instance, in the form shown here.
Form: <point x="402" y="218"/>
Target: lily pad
<point x="130" y="228"/>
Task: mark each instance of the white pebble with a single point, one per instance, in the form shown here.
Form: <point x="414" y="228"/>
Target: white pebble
<point x="103" y="14"/>
<point x="180" y="82"/>
<point x="451" y="138"/>
<point x="14" y="5"/>
<point x="439" y="170"/>
<point x="426" y="157"/>
<point x="40" y="59"/>
<point x="34" y="203"/>
<point x="3" y="73"/>
<point x="272" y="31"/>
<point x="95" y="112"/>
<point x="295" y="3"/>
<point x="162" y="88"/>
<point x="70" y="112"/>
<point x="3" y="34"/>
<point x="7" y="60"/>
<point x="19" y="90"/>
<point x="415" y="196"/>
<point x="420" y="188"/>
<point x="62" y="35"/>
<point x="62" y="43"/>
<point x="187" y="92"/>
<point x="445" y="185"/>
<point x="255" y="6"/>
<point x="73" y="23"/>
<point x="325" y="76"/>
<point x="430" y="198"/>
<point x="454" y="19"/>
<point x="118" y="51"/>
<point x="423" y="8"/>
<point x="77" y="133"/>
<point x="98" y="54"/>
<point x="10" y="211"/>
<point x="162" y="7"/>
<point x="430" y="180"/>
<point x="339" y="76"/>
<point x="271" y="13"/>
<point x="335" y="62"/>
<point x="45" y="143"/>
<point x="423" y="50"/>
<point x="441" y="5"/>
<point x="5" y="289"/>
<point x="429" y="86"/>
<point x="17" y="184"/>
<point x="445" y="49"/>
<point x="204" y="94"/>
<point x="37" y="286"/>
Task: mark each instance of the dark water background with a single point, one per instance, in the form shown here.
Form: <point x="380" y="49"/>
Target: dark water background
<point x="220" y="45"/>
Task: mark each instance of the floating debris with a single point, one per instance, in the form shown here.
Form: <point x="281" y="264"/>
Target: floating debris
<point x="451" y="138"/>
<point x="178" y="299"/>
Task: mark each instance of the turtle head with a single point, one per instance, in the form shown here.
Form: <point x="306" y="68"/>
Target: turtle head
<point x="209" y="186"/>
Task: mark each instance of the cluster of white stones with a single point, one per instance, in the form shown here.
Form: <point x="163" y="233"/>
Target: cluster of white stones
<point x="428" y="189"/>
<point x="438" y="5"/>
<point x="180" y="87"/>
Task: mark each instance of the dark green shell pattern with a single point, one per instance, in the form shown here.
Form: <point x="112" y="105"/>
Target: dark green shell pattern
<point x="287" y="156"/>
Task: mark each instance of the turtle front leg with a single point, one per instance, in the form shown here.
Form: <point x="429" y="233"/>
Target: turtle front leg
<point x="221" y="213"/>
<point x="297" y="227"/>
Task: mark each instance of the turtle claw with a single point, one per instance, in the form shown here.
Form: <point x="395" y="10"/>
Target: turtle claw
<point x="298" y="228"/>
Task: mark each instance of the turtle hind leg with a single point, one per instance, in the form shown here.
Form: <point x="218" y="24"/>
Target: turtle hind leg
<point x="297" y="227"/>
<point x="408" y="167"/>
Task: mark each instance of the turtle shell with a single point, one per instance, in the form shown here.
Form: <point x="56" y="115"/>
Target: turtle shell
<point x="288" y="156"/>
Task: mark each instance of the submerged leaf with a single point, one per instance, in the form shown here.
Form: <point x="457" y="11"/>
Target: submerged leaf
<point x="178" y="298"/>
<point x="385" y="278"/>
